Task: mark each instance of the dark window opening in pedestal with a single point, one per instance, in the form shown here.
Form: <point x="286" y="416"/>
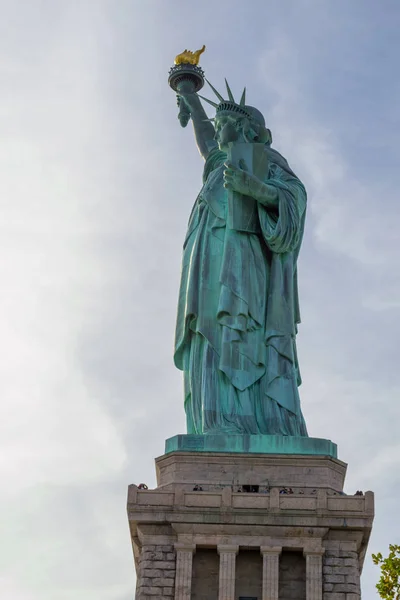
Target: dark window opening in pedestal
<point x="248" y="580"/>
<point x="251" y="489"/>
<point x="205" y="574"/>
<point x="292" y="576"/>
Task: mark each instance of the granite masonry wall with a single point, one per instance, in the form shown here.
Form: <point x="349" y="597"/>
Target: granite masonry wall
<point x="341" y="574"/>
<point x="156" y="576"/>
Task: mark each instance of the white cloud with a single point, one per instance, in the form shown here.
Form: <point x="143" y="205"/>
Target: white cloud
<point x="51" y="276"/>
<point x="350" y="218"/>
<point x="10" y="589"/>
<point x="55" y="435"/>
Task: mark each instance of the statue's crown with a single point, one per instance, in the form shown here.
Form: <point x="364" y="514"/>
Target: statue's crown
<point x="231" y="107"/>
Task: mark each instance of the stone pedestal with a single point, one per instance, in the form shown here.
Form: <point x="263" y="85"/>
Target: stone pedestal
<point x="283" y="518"/>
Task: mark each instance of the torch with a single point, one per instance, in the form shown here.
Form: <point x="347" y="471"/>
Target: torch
<point x="186" y="77"/>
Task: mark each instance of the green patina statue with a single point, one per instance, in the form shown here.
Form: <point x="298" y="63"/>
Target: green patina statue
<point x="238" y="303"/>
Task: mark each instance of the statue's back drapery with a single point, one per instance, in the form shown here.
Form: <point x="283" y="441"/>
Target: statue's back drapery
<point x="238" y="307"/>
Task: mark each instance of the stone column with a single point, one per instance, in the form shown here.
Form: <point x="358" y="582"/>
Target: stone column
<point x="183" y="577"/>
<point x="227" y="563"/>
<point x="270" y="583"/>
<point x="314" y="574"/>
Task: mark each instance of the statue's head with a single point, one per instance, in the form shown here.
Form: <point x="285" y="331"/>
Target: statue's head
<point x="237" y="122"/>
<point x="234" y="128"/>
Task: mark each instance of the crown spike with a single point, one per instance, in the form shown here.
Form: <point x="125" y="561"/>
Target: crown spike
<point x="243" y="98"/>
<point x="214" y="104"/>
<point x="228" y="89"/>
<point x="215" y="91"/>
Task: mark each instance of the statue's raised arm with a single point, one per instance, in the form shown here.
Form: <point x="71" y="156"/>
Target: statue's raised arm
<point x="203" y="128"/>
<point x="187" y="78"/>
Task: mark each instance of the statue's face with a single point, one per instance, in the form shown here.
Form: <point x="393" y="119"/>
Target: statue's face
<point x="225" y="132"/>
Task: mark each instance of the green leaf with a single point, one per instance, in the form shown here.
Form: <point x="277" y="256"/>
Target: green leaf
<point x="388" y="585"/>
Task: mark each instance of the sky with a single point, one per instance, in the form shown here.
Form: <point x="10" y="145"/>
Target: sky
<point x="97" y="183"/>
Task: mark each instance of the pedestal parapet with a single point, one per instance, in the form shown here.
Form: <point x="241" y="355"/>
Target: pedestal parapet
<point x="211" y="470"/>
<point x="285" y="507"/>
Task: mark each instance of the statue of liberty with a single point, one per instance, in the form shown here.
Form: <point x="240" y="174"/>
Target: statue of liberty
<point x="238" y="304"/>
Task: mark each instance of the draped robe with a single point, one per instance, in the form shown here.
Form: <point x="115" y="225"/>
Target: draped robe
<point x="238" y="310"/>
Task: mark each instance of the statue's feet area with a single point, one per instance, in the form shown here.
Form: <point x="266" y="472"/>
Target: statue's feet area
<point x="223" y="431"/>
<point x="251" y="444"/>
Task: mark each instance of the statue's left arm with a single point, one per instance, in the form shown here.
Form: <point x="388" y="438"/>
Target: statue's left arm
<point x="240" y="180"/>
<point x="282" y="203"/>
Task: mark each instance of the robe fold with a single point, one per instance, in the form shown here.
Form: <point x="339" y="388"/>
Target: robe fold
<point x="238" y="310"/>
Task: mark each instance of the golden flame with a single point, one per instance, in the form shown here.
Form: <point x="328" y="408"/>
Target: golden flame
<point x="187" y="57"/>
